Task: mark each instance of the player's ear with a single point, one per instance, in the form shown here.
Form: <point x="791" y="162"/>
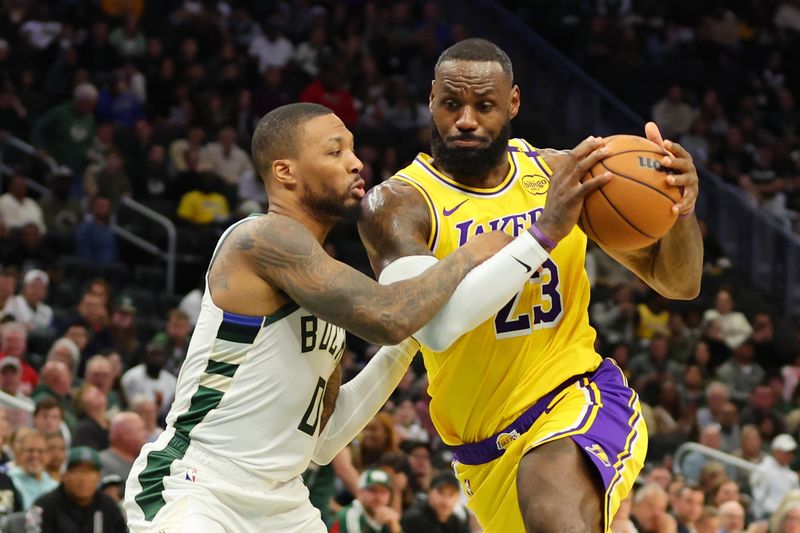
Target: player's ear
<point x="283" y="172"/>
<point x="513" y="107"/>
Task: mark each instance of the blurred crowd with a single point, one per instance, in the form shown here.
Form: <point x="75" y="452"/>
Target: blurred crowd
<point x="717" y="76"/>
<point x="157" y="103"/>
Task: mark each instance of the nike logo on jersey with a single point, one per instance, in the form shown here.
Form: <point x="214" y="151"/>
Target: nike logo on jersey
<point x="448" y="212"/>
<point x="527" y="267"/>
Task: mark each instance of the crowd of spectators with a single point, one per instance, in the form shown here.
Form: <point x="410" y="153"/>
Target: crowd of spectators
<point x="158" y="102"/>
<point x="717" y="76"/>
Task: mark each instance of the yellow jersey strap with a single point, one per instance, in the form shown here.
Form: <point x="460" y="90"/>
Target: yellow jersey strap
<point x="526" y="148"/>
<point x="433" y="234"/>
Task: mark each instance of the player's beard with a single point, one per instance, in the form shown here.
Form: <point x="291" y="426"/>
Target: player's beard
<point x="333" y="205"/>
<point x="464" y="162"/>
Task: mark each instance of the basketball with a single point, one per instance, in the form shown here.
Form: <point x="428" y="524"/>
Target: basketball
<point x="634" y="209"/>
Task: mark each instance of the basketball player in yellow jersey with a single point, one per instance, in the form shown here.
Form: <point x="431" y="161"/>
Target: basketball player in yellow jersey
<point x="546" y="434"/>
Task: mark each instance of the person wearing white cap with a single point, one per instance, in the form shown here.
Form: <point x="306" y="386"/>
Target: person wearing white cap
<point x="28" y="306"/>
<point x="773" y="478"/>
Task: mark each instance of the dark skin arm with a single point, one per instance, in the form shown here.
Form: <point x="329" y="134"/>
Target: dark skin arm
<point x="672" y="265"/>
<point x="329" y="398"/>
<point x="283" y="253"/>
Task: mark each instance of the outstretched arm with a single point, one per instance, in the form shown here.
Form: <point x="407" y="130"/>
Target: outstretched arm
<point x="395" y="229"/>
<point x="283" y="253"/>
<point x="362" y="397"/>
<point x="673" y="265"/>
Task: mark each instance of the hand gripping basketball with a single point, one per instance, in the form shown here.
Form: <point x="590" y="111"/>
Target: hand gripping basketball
<point x="567" y="192"/>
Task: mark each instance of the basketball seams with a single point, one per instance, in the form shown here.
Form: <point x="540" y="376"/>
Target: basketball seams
<point x="631" y="178"/>
<point x="585" y="215"/>
<point x="623" y="217"/>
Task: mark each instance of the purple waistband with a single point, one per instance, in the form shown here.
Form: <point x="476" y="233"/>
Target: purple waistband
<point x="489" y="449"/>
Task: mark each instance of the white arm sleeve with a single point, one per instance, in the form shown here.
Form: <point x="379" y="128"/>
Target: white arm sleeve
<point x="362" y="397"/>
<point x="482" y="292"/>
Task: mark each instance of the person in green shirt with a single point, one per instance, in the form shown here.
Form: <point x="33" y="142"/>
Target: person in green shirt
<point x="370" y="511"/>
<point x="65" y="132"/>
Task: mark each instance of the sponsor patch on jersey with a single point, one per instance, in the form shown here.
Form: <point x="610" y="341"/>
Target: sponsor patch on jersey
<point x="468" y="487"/>
<point x="596" y="450"/>
<point x="504" y="440"/>
<point x="536" y="183"/>
<point x="191" y="475"/>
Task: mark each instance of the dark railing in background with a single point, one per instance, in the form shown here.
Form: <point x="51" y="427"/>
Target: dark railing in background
<point x="561" y="105"/>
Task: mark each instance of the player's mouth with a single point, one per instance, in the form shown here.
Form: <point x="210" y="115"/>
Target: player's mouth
<point x="470" y="142"/>
<point x="358" y="188"/>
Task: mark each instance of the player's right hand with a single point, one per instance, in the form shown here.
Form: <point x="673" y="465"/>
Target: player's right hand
<point x="487" y="244"/>
<point x="565" y="197"/>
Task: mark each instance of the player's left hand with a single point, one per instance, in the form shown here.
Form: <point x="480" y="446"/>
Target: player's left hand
<point x="685" y="173"/>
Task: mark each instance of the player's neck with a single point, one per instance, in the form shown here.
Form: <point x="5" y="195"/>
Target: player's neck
<point x="316" y="224"/>
<point x="488" y="181"/>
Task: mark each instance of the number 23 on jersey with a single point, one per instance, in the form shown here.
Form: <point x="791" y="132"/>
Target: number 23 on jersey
<point x="512" y="321"/>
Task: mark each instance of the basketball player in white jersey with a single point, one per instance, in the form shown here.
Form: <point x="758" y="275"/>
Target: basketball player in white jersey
<point x="256" y="395"/>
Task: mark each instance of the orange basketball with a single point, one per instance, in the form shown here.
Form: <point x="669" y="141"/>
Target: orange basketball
<point x="634" y="209"/>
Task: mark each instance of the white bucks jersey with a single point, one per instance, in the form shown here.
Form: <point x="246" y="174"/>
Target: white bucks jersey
<point x="251" y="388"/>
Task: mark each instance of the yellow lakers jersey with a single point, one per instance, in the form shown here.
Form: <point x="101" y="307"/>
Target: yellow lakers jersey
<point x="540" y="338"/>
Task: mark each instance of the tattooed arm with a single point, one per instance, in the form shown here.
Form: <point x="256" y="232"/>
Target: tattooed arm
<point x="329" y="398"/>
<point x="284" y="254"/>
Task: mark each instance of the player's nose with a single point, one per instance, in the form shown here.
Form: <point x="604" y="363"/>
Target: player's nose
<point x="467" y="120"/>
<point x="355" y="164"/>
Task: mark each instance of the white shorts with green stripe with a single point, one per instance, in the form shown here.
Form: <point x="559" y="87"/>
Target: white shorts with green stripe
<point x="174" y="487"/>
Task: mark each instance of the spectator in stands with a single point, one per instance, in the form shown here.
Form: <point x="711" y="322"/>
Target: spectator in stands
<point x="78" y="504"/>
<point x="750" y="445"/>
<point x="150" y="378"/>
<point x="654" y="365"/>
<point x="717" y="396"/>
<point x="112" y="486"/>
<point x="649" y="510"/>
<point x="66" y="351"/>
<point x="66" y="131"/>
<point x="735" y="327"/>
<point x="708" y="521"/>
<point x="370" y="511"/>
<point x="727" y="490"/>
<point x="616" y="317"/>
<point x="271" y="48"/>
<point x="226" y="159"/>
<point x="92" y="427"/>
<point x="126" y="436"/>
<point x="731" y="517"/>
<point x="14" y="341"/>
<point x="204" y="205"/>
<point x="48" y="416"/>
<point x="17" y="209"/>
<point x="694" y="461"/>
<point x="94" y="239"/>
<point x="328" y="90"/>
<point x="56" y="382"/>
<point x="145" y="407"/>
<point x="436" y="513"/>
<point x="55" y="456"/>
<point x="100" y="374"/>
<point x="123" y="328"/>
<point x="711" y="347"/>
<point x="377" y="438"/>
<point x="740" y="373"/>
<point x="689" y="508"/>
<point x="29" y="475"/>
<point x="11" y="384"/>
<point x="773" y="478"/>
<point x="111" y="181"/>
<point x="128" y="39"/>
<point x="767" y="353"/>
<point x="8" y="282"/>
<point x="787" y="518"/>
<point x="180" y="149"/>
<point x="652" y="316"/>
<point x="175" y="339"/>
<point x="761" y="411"/>
<point x="28" y="306"/>
<point x="79" y="332"/>
<point x="10" y="499"/>
<point x="407" y="426"/>
<point x="730" y="430"/>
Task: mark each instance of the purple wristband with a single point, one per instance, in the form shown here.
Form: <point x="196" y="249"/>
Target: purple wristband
<point x="547" y="243"/>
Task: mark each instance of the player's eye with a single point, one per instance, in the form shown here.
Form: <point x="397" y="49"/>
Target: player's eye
<point x="451" y="104"/>
<point x="335" y="153"/>
<point x="485" y="107"/>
